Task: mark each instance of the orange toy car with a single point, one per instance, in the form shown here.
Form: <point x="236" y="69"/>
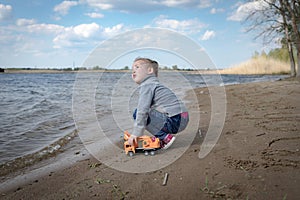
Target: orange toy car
<point x="144" y="144"/>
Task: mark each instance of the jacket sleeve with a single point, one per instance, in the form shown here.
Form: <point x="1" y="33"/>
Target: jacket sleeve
<point x="143" y="108"/>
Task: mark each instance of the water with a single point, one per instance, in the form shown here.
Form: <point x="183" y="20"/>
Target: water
<point x="36" y="109"/>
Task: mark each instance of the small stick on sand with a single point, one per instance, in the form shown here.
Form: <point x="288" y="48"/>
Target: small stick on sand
<point x="165" y="179"/>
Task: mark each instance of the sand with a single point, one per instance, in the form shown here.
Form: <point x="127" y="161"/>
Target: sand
<point x="257" y="157"/>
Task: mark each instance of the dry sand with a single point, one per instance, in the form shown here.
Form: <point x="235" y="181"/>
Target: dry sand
<point x="256" y="157"/>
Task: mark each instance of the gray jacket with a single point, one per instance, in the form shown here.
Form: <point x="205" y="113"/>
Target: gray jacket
<point x="153" y="95"/>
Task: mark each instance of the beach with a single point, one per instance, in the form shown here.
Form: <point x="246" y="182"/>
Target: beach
<point x="256" y="157"/>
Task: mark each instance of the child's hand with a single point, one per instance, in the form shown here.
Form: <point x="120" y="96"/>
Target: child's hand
<point x="132" y="139"/>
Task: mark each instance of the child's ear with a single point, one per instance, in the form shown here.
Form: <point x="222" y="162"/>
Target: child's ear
<point x="150" y="70"/>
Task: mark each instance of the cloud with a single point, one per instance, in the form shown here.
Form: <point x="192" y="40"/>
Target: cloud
<point x="25" y="33"/>
<point x="103" y="5"/>
<point x="27" y="37"/>
<point x="189" y="26"/>
<point x="63" y="8"/>
<point x="5" y="12"/>
<point x="216" y="10"/>
<point x="112" y="31"/>
<point x="185" y="3"/>
<point x="172" y="3"/>
<point x="85" y="34"/>
<point x="86" y="30"/>
<point x="74" y="36"/>
<point x="208" y="35"/>
<point x="243" y="10"/>
<point x="31" y="26"/>
<point x="45" y="28"/>
<point x="141" y="6"/>
<point x="25" y="22"/>
<point x="205" y="4"/>
<point x="95" y="15"/>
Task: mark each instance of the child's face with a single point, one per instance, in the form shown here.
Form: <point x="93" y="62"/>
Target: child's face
<point x="140" y="71"/>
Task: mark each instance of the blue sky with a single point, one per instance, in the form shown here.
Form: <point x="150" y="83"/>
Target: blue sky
<point x="55" y="33"/>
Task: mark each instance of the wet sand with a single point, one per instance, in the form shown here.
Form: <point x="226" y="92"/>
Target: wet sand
<point x="257" y="157"/>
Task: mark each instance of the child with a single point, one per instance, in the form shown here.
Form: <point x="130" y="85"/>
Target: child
<point x="159" y="111"/>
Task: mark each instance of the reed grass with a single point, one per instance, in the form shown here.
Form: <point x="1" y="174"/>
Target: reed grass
<point x="259" y="65"/>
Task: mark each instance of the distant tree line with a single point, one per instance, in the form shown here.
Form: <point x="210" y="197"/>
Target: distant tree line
<point x="281" y="54"/>
<point x="70" y="69"/>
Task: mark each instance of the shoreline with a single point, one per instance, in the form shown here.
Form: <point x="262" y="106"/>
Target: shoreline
<point x="67" y="156"/>
<point x="243" y="164"/>
<point x="52" y="150"/>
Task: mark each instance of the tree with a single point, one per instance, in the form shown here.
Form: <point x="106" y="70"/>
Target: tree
<point x="278" y="18"/>
<point x="281" y="54"/>
<point x="263" y="54"/>
<point x="287" y="39"/>
<point x="174" y="67"/>
<point x="255" y="55"/>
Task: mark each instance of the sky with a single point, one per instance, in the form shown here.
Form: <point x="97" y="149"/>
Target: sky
<point x="59" y="34"/>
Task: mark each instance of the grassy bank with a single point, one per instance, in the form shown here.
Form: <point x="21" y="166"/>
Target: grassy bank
<point x="260" y="65"/>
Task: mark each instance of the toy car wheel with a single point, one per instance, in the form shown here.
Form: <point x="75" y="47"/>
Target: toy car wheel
<point x="130" y="153"/>
<point x="152" y="153"/>
<point x="146" y="153"/>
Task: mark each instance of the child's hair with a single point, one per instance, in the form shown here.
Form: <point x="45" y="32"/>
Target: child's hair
<point x="151" y="63"/>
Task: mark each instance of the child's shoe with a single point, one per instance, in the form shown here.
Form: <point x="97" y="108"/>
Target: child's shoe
<point x="167" y="141"/>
